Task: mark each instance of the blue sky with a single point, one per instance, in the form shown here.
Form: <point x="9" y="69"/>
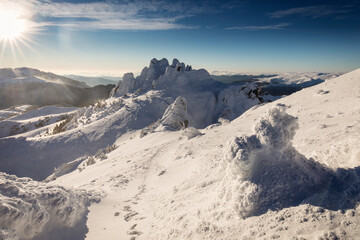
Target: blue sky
<point x="113" y="37"/>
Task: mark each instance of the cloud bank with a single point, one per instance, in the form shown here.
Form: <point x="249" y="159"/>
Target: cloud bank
<point x="312" y="11"/>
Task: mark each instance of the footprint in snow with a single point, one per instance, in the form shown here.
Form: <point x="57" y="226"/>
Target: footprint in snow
<point x="322" y="92"/>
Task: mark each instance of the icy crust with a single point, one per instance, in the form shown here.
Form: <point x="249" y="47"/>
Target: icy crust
<point x="265" y="172"/>
<point x="29" y="208"/>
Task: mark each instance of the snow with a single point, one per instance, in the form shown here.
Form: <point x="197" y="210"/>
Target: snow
<point x="265" y="172"/>
<point x="32" y="209"/>
<point x="176" y="116"/>
<point x="13" y="111"/>
<point x="299" y="78"/>
<point x="34" y="122"/>
<point x="287" y="169"/>
<point x="95" y="127"/>
<point x="196" y="86"/>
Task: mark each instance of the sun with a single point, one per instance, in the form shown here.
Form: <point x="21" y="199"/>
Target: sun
<point x="16" y="28"/>
<point x="11" y="25"/>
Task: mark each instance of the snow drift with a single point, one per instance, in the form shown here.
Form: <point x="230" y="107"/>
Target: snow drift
<point x="29" y="208"/>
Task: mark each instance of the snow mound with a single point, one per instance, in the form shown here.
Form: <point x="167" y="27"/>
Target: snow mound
<point x="29" y="208"/>
<point x="264" y="171"/>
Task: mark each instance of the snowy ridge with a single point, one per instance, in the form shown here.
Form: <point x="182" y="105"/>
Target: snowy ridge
<point x="37" y="122"/>
<point x="14" y="111"/>
<point x="207" y="99"/>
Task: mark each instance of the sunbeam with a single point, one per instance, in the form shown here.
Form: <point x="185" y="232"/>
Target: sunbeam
<point x="15" y="29"/>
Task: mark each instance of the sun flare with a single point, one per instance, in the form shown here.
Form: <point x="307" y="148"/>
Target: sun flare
<point x="11" y="25"/>
<point x="16" y="29"/>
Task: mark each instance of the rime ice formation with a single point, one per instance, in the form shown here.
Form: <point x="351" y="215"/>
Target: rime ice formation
<point x="269" y="172"/>
<point x="176" y="116"/>
<point x="29" y="208"/>
<point x="264" y="171"/>
<point x="207" y="99"/>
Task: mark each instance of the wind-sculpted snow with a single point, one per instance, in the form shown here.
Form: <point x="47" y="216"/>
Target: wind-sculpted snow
<point x="30" y="209"/>
<point x="176" y="116"/>
<point x="264" y="171"/>
<point x="228" y="106"/>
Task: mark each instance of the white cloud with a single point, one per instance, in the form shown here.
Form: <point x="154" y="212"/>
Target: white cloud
<point x="260" y="27"/>
<point x="311" y="11"/>
<point x="109" y="15"/>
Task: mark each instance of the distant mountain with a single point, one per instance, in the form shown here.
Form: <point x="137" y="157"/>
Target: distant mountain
<point x="278" y="84"/>
<point x="30" y="75"/>
<point x="31" y="86"/>
<point x="93" y="81"/>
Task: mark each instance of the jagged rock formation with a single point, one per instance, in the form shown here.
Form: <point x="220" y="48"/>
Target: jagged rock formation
<point x="207" y="99"/>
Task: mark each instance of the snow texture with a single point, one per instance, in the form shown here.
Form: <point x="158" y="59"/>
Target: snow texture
<point x="31" y="209"/>
<point x="176" y="116"/>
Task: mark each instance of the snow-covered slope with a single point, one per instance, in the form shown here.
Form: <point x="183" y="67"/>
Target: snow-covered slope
<point x="298" y="78"/>
<point x="279" y="84"/>
<point x="14" y="111"/>
<point x="136" y="103"/>
<point x="281" y="170"/>
<point x="294" y="175"/>
<point x="34" y="122"/>
<point x="26" y="86"/>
